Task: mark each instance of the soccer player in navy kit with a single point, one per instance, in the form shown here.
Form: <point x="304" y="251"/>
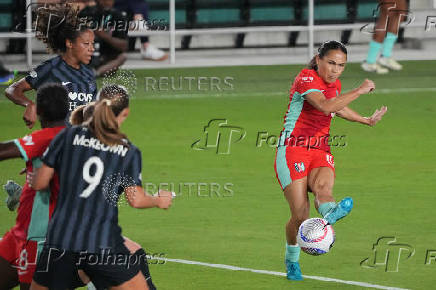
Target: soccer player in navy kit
<point x="95" y="165"/>
<point x="74" y="45"/>
<point x="81" y="116"/>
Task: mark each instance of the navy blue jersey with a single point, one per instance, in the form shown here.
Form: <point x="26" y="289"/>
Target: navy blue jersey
<point x="80" y="83"/>
<point x="92" y="176"/>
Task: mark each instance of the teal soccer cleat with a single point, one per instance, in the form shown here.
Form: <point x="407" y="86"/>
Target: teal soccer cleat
<point x="293" y="271"/>
<point x="341" y="210"/>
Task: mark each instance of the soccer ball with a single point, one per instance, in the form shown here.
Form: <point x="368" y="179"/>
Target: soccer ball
<point x="315" y="236"/>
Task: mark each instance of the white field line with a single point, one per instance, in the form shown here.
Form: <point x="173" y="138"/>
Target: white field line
<point x="196" y="95"/>
<point x="235" y="268"/>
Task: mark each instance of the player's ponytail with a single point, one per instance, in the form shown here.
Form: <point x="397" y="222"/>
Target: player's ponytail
<point x="76" y="117"/>
<point x="113" y="99"/>
<point x="82" y="114"/>
<point x="324" y="49"/>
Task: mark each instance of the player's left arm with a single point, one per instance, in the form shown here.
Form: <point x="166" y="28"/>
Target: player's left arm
<point x="42" y="177"/>
<point x="9" y="150"/>
<point x="350" y="115"/>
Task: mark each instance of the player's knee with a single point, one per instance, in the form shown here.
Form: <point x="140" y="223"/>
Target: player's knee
<point x="299" y="218"/>
<point x="322" y="187"/>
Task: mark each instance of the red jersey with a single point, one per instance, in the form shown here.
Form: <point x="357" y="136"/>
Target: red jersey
<point x="304" y="125"/>
<point x="31" y="147"/>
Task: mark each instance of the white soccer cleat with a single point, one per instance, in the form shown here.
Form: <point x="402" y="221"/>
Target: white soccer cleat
<point x="374" y="67"/>
<point x="153" y="53"/>
<point x="390" y="63"/>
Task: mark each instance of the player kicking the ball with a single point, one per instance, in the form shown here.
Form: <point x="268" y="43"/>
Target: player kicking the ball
<point x="303" y="159"/>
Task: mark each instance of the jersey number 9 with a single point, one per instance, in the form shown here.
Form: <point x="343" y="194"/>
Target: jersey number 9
<point x="93" y="180"/>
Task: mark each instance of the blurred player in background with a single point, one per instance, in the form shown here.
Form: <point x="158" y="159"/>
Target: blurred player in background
<point x="86" y="216"/>
<point x="6" y="76"/>
<point x="303" y="159"/>
<point x="110" y="35"/>
<point x="138" y="10"/>
<point x="18" y="248"/>
<point x="385" y="36"/>
<point x="57" y="27"/>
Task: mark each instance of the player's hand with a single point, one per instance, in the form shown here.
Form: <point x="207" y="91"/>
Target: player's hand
<point x="378" y="114"/>
<point x="165" y="198"/>
<point x="29" y="115"/>
<point x="366" y="87"/>
<point x="29" y="177"/>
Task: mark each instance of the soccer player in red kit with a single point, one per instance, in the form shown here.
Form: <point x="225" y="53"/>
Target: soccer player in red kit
<point x="19" y="246"/>
<point x="303" y="160"/>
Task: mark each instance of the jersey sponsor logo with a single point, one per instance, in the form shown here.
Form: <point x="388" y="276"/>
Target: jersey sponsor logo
<point x="81" y="97"/>
<point x="80" y="140"/>
<point x="330" y="160"/>
<point x="65" y="83"/>
<point x="307" y="79"/>
<point x="28" y="140"/>
<point x="299" y="167"/>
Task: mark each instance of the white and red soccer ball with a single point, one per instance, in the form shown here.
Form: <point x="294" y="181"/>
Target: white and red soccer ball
<point x="315" y="236"/>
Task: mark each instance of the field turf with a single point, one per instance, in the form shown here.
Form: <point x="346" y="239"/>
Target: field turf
<point x="388" y="170"/>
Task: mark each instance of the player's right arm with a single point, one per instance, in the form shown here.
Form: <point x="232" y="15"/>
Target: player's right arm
<point x="138" y="198"/>
<point x="327" y="106"/>
<point x="15" y="93"/>
<point x="9" y="150"/>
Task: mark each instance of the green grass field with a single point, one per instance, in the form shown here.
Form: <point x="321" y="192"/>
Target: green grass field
<point x="388" y="170"/>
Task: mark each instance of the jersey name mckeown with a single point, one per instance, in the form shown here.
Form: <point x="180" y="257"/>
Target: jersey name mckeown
<point x="94" y="143"/>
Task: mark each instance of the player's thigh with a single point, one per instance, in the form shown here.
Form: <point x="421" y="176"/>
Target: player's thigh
<point x="137" y="282"/>
<point x="8" y="275"/>
<point x="297" y="198"/>
<point x="36" y="286"/>
<point x="321" y="180"/>
<point x="131" y="245"/>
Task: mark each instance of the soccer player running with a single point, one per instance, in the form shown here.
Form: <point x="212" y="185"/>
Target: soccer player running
<point x="57" y="26"/>
<point x="95" y="165"/>
<point x="18" y="248"/>
<point x="303" y="159"/>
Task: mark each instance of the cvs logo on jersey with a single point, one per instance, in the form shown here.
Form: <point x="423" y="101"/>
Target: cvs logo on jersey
<point x="81" y="97"/>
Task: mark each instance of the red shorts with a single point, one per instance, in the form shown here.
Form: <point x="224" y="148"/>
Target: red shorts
<point x="293" y="163"/>
<point x="21" y="254"/>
